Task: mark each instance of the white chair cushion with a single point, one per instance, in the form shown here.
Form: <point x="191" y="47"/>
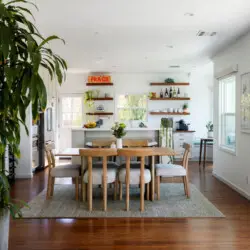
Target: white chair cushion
<point x="135" y="174"/>
<point x="68" y="170"/>
<point x="97" y="174"/>
<point x="133" y="164"/>
<point x="170" y="170"/>
<point x="110" y="164"/>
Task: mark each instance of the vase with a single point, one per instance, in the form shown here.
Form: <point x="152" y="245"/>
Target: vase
<point x="210" y="134"/>
<point x="118" y="142"/>
<point x="4" y="229"/>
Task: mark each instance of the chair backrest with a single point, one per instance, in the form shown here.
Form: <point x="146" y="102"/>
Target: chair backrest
<point x="135" y="143"/>
<point x="98" y="152"/>
<point x="49" y="154"/>
<point x="185" y="159"/>
<point x="138" y="152"/>
<point x="102" y="143"/>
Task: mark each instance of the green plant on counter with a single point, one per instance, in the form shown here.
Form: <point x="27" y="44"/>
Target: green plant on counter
<point x="210" y="127"/>
<point x="119" y="130"/>
<point x="24" y="52"/>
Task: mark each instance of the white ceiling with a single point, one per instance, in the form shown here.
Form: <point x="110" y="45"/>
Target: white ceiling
<point x="133" y="35"/>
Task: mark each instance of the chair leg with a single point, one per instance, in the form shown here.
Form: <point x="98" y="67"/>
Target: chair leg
<point x="158" y="187"/>
<point x="187" y="186"/>
<point x="120" y="190"/>
<point x="52" y="186"/>
<point x="184" y="183"/>
<point x="115" y="189"/>
<point x="104" y="193"/>
<point x="147" y="185"/>
<point x="48" y="188"/>
<point x="77" y="188"/>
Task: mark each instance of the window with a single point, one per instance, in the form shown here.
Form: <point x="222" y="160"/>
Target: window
<point x="227" y="95"/>
<point x="72" y="111"/>
<point x="132" y="107"/>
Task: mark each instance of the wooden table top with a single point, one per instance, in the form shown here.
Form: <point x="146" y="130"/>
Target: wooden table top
<point x="160" y="151"/>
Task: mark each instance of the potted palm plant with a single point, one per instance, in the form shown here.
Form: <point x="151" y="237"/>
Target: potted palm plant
<point x="24" y="53"/>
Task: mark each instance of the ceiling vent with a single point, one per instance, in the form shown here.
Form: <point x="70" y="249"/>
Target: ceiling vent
<point x="204" y="33"/>
<point x="174" y="66"/>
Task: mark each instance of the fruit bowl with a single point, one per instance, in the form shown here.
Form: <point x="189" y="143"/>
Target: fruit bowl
<point x="90" y="125"/>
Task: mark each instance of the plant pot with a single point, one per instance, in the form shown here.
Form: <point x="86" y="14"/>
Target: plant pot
<point x="185" y="110"/>
<point x="210" y="134"/>
<point x="118" y="142"/>
<point x="4" y="230"/>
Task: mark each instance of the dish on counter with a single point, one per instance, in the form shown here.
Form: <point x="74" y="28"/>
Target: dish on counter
<point x="90" y="125"/>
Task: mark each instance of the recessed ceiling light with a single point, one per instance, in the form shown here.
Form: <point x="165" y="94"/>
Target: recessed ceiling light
<point x="170" y="46"/>
<point x="113" y="66"/>
<point x="189" y="14"/>
<point x="96" y="33"/>
<point x="146" y="58"/>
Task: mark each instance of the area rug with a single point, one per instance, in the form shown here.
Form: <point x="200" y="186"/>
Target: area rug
<point x="173" y="203"/>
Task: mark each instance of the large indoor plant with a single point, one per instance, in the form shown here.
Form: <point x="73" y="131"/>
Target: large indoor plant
<point x="24" y="53"/>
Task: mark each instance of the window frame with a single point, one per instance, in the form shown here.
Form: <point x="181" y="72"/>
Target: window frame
<point x="222" y="115"/>
<point x="61" y="110"/>
<point x="131" y="94"/>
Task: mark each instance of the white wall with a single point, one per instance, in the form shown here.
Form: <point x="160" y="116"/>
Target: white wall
<point x="24" y="167"/>
<point x="233" y="169"/>
<point x="201" y="83"/>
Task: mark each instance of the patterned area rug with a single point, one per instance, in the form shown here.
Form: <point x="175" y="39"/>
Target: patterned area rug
<point x="173" y="203"/>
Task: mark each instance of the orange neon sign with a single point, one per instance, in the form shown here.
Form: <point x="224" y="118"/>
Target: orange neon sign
<point x="99" y="79"/>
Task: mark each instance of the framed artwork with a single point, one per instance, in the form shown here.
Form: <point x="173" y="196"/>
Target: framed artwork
<point x="245" y="103"/>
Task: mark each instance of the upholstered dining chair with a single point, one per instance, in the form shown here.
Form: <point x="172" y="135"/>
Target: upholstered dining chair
<point x="99" y="175"/>
<point x="61" y="171"/>
<point x="134" y="175"/>
<point x="173" y="170"/>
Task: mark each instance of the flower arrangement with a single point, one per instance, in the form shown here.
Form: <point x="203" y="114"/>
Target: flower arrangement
<point x="119" y="130"/>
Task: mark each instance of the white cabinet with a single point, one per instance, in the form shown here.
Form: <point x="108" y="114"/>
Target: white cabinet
<point x="179" y="139"/>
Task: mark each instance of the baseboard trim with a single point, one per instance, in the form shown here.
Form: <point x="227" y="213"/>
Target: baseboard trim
<point x="233" y="186"/>
<point x="24" y="176"/>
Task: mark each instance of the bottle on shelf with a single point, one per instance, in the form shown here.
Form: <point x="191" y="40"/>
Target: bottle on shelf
<point x="161" y="94"/>
<point x="174" y="92"/>
<point x="178" y="92"/>
<point x="170" y="93"/>
<point x="166" y="93"/>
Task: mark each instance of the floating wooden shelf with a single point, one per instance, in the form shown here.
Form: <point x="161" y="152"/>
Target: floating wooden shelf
<point x="170" y="99"/>
<point x="184" y="131"/>
<point x="99" y="84"/>
<point x="103" y="99"/>
<point x="168" y="113"/>
<point x="169" y="84"/>
<point x="100" y="113"/>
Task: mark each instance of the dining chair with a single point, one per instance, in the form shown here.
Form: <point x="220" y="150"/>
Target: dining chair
<point x="61" y="171"/>
<point x="106" y="143"/>
<point x="133" y="175"/>
<point x="173" y="170"/>
<point x="99" y="176"/>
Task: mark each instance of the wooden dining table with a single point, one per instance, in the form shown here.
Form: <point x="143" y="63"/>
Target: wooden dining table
<point x="157" y="151"/>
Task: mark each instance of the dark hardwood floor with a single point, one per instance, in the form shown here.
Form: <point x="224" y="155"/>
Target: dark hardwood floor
<point x="230" y="233"/>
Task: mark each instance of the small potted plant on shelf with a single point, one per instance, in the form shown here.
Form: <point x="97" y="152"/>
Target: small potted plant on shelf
<point x="119" y="132"/>
<point x="185" y="108"/>
<point x="210" y="130"/>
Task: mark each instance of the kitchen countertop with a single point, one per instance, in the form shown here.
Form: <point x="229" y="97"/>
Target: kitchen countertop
<point x="109" y="129"/>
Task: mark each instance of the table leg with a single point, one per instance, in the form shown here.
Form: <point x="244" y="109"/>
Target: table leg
<point x="83" y="186"/>
<point x="201" y="142"/>
<point x="205" y="154"/>
<point x="152" y="178"/>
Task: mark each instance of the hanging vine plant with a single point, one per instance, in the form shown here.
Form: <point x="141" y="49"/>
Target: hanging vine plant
<point x="24" y="52"/>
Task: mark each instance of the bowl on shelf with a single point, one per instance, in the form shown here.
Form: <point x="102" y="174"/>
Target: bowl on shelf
<point x="90" y="125"/>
